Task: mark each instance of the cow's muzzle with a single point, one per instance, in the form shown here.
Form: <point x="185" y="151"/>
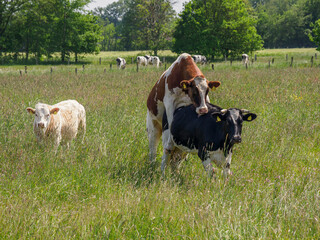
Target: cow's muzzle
<point x="40" y="125"/>
<point x="236" y="139"/>
<point x="202" y="110"/>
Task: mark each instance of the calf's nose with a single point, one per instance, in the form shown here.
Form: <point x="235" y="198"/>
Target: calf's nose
<point x="237" y="139"/>
<point x="41" y="125"/>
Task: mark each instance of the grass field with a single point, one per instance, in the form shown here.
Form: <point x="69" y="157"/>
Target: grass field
<point x="106" y="188"/>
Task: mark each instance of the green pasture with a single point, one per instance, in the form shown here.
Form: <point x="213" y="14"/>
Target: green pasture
<point x="105" y="188"/>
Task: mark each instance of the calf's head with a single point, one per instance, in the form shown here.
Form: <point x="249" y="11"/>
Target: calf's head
<point x="197" y="89"/>
<point x="42" y="115"/>
<point x="233" y="119"/>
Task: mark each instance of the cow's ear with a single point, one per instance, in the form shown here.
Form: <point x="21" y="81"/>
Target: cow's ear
<point x="185" y="84"/>
<point x="54" y="110"/>
<point x="249" y="117"/>
<point x="31" y="110"/>
<point x="213" y="85"/>
<point x="218" y="117"/>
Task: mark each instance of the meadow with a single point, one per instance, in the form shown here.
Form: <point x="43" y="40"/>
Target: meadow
<point x="106" y="188"/>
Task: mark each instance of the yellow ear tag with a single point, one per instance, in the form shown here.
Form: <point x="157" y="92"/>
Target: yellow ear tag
<point x="213" y="88"/>
<point x="184" y="86"/>
<point x="218" y="119"/>
<point x="55" y="112"/>
<point x="249" y="118"/>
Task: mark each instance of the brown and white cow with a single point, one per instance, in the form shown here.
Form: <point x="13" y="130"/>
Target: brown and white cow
<point x="180" y="85"/>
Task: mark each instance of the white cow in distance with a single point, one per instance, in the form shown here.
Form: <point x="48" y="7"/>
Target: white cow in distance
<point x="59" y="122"/>
<point x="199" y="59"/>
<point x="155" y="61"/>
<point x="142" y="61"/>
<point x="149" y="59"/>
<point x="245" y="59"/>
<point x="121" y="63"/>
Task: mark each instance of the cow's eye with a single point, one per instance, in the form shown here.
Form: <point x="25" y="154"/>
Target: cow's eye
<point x="36" y="115"/>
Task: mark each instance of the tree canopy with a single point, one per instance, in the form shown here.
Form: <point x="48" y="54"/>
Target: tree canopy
<point x="215" y="27"/>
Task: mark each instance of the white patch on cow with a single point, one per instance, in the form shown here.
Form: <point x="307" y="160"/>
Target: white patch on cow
<point x="202" y="86"/>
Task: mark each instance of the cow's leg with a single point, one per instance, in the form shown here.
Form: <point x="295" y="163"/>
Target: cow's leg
<point x="226" y="169"/>
<point x="207" y="164"/>
<point x="168" y="146"/>
<point x="82" y="127"/>
<point x="154" y="133"/>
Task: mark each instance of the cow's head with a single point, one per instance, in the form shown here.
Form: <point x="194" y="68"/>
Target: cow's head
<point x="42" y="115"/>
<point x="197" y="89"/>
<point x="233" y="119"/>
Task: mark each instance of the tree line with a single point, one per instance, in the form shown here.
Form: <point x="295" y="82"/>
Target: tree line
<point x="209" y="27"/>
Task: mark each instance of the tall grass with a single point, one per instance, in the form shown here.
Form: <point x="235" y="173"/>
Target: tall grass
<point x="106" y="188"/>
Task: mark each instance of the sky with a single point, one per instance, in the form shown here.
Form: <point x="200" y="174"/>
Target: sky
<point x="103" y="3"/>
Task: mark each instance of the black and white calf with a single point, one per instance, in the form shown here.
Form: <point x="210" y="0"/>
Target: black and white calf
<point x="211" y="135"/>
<point x="121" y="63"/>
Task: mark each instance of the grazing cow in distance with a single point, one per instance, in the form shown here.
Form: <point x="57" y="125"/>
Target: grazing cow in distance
<point x="245" y="59"/>
<point x="142" y="61"/>
<point x="199" y="59"/>
<point x="149" y="58"/>
<point x="212" y="135"/>
<point x="155" y="61"/>
<point x="121" y="63"/>
<point x="180" y="85"/>
<point x="59" y="122"/>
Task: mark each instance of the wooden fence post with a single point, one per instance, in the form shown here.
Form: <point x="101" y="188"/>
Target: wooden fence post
<point x="272" y="60"/>
<point x="315" y="56"/>
<point x="25" y="69"/>
<point x="110" y="66"/>
<point x="51" y="70"/>
<point x="312" y="61"/>
<point x="212" y="66"/>
<point x="286" y="57"/>
<point x="137" y="66"/>
<point x="165" y="66"/>
<point x="104" y="70"/>
<point x="269" y="63"/>
<point x="76" y="71"/>
<point x="20" y="73"/>
<point x="100" y="61"/>
<point x="247" y="66"/>
<point x="255" y="57"/>
<point x="291" y="62"/>
<point x="83" y="67"/>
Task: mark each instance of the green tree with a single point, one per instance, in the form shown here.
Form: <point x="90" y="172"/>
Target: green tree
<point x="286" y="23"/>
<point x="216" y="27"/>
<point x="315" y="34"/>
<point x="75" y="31"/>
<point x="147" y="25"/>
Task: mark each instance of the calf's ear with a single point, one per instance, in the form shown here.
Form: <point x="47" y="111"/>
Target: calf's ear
<point x="249" y="117"/>
<point x="213" y="85"/>
<point x="54" y="110"/>
<point x="31" y="110"/>
<point x="218" y="117"/>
